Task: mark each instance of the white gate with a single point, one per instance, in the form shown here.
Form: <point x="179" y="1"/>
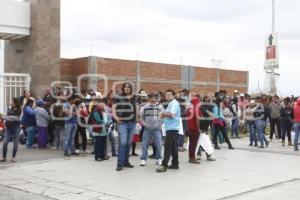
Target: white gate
<point x="12" y="85"/>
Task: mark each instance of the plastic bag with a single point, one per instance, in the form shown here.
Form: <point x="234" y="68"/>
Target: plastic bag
<point x="22" y="137"/>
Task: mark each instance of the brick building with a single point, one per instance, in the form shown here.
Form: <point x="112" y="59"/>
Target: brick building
<point x="152" y="76"/>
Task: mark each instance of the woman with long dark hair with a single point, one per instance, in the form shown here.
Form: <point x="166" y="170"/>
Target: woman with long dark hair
<point x="125" y="113"/>
<point x="12" y="123"/>
<point x="109" y="100"/>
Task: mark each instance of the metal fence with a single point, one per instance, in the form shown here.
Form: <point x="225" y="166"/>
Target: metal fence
<point x="12" y="85"/>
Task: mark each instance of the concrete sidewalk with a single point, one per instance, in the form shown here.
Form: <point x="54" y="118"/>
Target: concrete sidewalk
<point x="244" y="173"/>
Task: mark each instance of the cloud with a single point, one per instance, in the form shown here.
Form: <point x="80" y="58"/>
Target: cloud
<point x="193" y="31"/>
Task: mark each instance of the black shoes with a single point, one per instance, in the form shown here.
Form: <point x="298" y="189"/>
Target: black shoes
<point x="173" y="167"/>
<point x="119" y="168"/>
<point x="99" y="159"/>
<point x="67" y="154"/>
<point x="128" y="165"/>
<point x="75" y="154"/>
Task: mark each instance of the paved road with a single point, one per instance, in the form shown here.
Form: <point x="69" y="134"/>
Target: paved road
<point x="245" y="173"/>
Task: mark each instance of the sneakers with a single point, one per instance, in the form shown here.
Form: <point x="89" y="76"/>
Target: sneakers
<point x="86" y="152"/>
<point x="161" y="169"/>
<point x="159" y="162"/>
<point x="210" y="158"/>
<point x="143" y="163"/>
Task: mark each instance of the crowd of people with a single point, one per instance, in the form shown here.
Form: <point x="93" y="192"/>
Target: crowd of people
<point x="163" y="120"/>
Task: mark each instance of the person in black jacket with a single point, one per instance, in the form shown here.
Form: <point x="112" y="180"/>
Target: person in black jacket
<point x="12" y="123"/>
<point x="286" y="115"/>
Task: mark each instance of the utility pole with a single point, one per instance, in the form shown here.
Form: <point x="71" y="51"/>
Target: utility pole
<point x="272" y="79"/>
<point x="217" y="64"/>
<point x="138" y="73"/>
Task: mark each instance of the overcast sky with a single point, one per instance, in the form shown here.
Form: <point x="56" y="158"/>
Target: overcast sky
<point x="191" y="32"/>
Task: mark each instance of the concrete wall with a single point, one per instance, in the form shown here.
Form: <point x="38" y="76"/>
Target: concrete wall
<point x="38" y="54"/>
<point x="1" y="75"/>
<point x="155" y="76"/>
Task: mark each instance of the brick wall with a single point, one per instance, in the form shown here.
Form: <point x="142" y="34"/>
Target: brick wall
<point x="154" y="76"/>
<point x="203" y="74"/>
<point x="70" y="69"/>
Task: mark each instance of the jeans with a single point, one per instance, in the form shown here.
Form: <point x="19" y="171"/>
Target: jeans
<point x="274" y="122"/>
<point x="286" y="129"/>
<point x="260" y="127"/>
<point x="14" y="131"/>
<point x="171" y="148"/>
<point x="223" y="130"/>
<point x="59" y="136"/>
<point x="80" y="130"/>
<point x="70" y="130"/>
<point x="252" y="133"/>
<point x="126" y="132"/>
<point x="112" y="142"/>
<point x="234" y="127"/>
<point x="297" y="131"/>
<point x="31" y="132"/>
<point x="157" y="140"/>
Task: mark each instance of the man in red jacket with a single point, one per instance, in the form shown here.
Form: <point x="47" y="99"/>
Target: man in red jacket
<point x="296" y="123"/>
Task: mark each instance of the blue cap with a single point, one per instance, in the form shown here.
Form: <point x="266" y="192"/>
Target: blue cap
<point x="40" y="102"/>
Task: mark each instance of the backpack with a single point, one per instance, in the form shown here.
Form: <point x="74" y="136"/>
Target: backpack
<point x="97" y="128"/>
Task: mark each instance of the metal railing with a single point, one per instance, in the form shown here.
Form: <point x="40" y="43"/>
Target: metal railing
<point x="12" y="85"/>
